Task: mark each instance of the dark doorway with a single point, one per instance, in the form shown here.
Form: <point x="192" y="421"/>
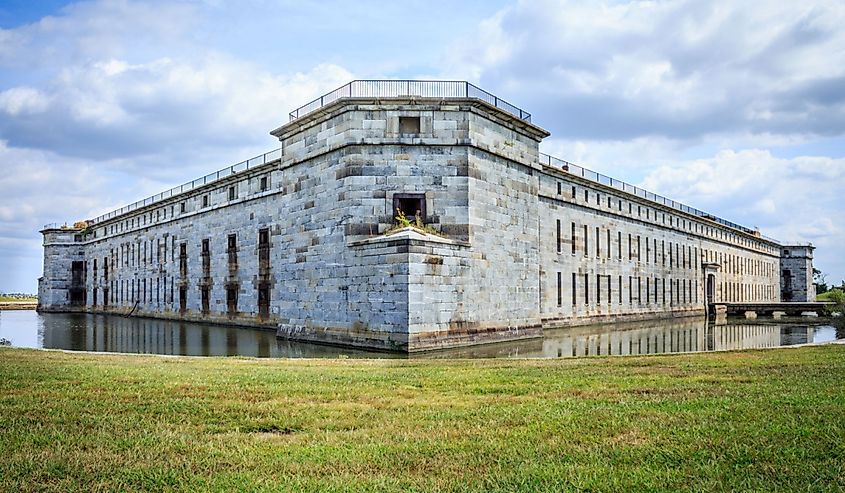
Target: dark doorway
<point x="232" y="299"/>
<point x="77" y="283"/>
<point x="786" y="292"/>
<point x="263" y="300"/>
<point x="183" y="299"/>
<point x="204" y="298"/>
<point x="711" y="288"/>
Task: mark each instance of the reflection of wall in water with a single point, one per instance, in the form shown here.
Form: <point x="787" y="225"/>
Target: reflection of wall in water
<point x="643" y="338"/>
<point x="108" y="333"/>
<point x="747" y="336"/>
<point x="113" y="334"/>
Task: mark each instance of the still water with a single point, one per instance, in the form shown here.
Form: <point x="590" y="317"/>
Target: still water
<point x="110" y="333"/>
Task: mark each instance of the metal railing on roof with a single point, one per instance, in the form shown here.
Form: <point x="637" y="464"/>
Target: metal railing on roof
<point x="408" y="88"/>
<point x="433" y="89"/>
<point x="576" y="170"/>
<point x="259" y="160"/>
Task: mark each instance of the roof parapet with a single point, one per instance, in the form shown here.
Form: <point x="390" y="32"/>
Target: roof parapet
<point x="442" y="89"/>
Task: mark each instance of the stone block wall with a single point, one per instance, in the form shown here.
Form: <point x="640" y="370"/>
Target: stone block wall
<point x="796" y="280"/>
<point x="62" y="247"/>
<point x="608" y="255"/>
<point x="509" y="235"/>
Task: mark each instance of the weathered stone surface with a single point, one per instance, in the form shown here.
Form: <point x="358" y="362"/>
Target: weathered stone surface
<point x="521" y="245"/>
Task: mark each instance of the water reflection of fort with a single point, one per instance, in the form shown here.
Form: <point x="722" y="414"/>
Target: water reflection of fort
<point x="653" y="337"/>
<point x="107" y="333"/>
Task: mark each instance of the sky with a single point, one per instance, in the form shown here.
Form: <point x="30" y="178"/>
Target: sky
<point x="735" y="108"/>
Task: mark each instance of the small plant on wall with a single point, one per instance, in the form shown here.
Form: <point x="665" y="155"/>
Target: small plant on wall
<point x="402" y="222"/>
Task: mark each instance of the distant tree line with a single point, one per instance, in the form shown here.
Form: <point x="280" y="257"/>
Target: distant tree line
<point x="820" y="281"/>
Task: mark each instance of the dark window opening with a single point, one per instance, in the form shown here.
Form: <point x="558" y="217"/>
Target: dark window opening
<point x="232" y="242"/>
<point x="409" y="124"/>
<point x="598" y="289"/>
<point x="586" y="289"/>
<point x="232" y="298"/>
<point x="263" y="252"/>
<point x="586" y="241"/>
<point x="263" y="183"/>
<point x="205" y="200"/>
<point x="183" y="259"/>
<point x="183" y="299"/>
<point x="263" y="300"/>
<point x="410" y="205"/>
<point x="559" y="290"/>
<point x="558" y="236"/>
<point x="233" y="193"/>
<point x="204" y="298"/>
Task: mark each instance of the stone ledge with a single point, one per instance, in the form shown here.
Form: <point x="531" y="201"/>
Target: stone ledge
<point x="409" y="234"/>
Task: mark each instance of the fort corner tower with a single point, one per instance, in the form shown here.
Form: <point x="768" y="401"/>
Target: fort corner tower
<point x="305" y="240"/>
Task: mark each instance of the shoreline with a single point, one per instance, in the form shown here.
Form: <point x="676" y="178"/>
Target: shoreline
<point x="18" y="305"/>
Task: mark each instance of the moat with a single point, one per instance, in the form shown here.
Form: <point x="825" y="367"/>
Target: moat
<point x="110" y="333"/>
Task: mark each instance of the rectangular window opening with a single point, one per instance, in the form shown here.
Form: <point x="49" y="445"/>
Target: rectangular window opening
<point x="409" y="124"/>
<point x="410" y="205"/>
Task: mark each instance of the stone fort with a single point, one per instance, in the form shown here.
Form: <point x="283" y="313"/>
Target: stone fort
<point x="409" y="216"/>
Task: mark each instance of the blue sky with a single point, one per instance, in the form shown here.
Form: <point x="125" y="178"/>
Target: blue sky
<point x="737" y="108"/>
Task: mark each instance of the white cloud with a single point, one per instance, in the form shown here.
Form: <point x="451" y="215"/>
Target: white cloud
<point x="693" y="100"/>
<point x="680" y="70"/>
<point x="23" y="100"/>
<point x="111" y="102"/>
<point x="112" y="108"/>
<point x="792" y="200"/>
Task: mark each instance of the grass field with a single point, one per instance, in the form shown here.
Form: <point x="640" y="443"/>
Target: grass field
<point x="754" y="420"/>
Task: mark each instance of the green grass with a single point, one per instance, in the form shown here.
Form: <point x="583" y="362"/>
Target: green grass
<point x="770" y="420"/>
<point x="828" y="295"/>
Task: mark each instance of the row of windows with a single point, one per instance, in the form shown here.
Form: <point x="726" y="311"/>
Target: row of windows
<point x="604" y="240"/>
<point x="736" y="264"/>
<point x="741" y="292"/>
<point x="139" y="291"/>
<point x="656" y="217"/>
<point x="160" y="214"/>
<point x="603" y="243"/>
<point x="159" y="291"/>
<point x="637" y="290"/>
<point x="155" y="251"/>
